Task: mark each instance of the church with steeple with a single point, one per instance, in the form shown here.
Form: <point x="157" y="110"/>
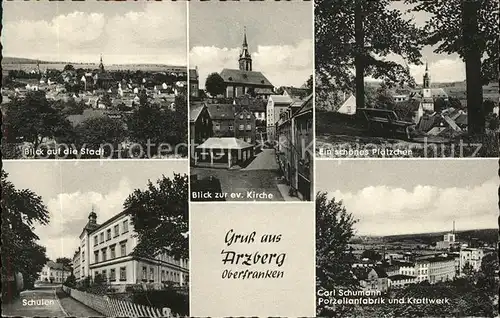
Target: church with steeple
<point x="245" y="59"/>
<point x="245" y="80"/>
<point x="102" y="79"/>
<point x="427" y="100"/>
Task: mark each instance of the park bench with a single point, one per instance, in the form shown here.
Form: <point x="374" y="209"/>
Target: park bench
<point x="385" y="121"/>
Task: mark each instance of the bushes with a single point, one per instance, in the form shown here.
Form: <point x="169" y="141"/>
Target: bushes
<point x="70" y="281"/>
<point x="170" y="297"/>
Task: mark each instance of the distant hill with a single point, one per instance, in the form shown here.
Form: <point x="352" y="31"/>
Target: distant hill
<point x="485" y="235"/>
<point x="20" y="60"/>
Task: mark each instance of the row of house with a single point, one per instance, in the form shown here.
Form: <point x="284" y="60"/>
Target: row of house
<point x="294" y="137"/>
<point x="53" y="272"/>
<point x="106" y="249"/>
<point x="431" y="268"/>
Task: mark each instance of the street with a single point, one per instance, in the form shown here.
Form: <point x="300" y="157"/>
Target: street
<point x="43" y="301"/>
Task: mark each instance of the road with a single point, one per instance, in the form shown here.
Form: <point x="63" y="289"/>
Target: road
<point x="43" y="301"/>
<point x="266" y="160"/>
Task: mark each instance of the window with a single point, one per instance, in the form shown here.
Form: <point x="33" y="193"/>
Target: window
<point x="104" y="255"/>
<point x="117" y="230"/>
<point x="242" y="127"/>
<point x="249" y="127"/>
<point x="96" y="256"/>
<point x="152" y="274"/>
<point x="249" y="116"/>
<point x="112" y="275"/>
<point x="96" y="240"/>
<point x="104" y="274"/>
<point x="241" y="116"/>
<point x="216" y="126"/>
<point x="108" y="234"/>
<point x="101" y="238"/>
<point x="125" y="226"/>
<point x="231" y="127"/>
<point x="83" y="256"/>
<point x="144" y="273"/>
<point x="112" y="250"/>
<point x="123" y="248"/>
<point x="163" y="275"/>
<point x="123" y="273"/>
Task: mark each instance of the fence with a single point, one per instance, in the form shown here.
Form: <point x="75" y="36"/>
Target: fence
<point x="116" y="308"/>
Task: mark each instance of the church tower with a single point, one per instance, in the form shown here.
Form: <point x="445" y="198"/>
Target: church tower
<point x="101" y="65"/>
<point x="427" y="102"/>
<point x="245" y="60"/>
<point x="427" y="83"/>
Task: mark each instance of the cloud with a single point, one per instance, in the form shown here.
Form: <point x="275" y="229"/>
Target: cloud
<point x="385" y="210"/>
<point x="69" y="214"/>
<point x="157" y="34"/>
<point x="283" y="65"/>
<point x="441" y="71"/>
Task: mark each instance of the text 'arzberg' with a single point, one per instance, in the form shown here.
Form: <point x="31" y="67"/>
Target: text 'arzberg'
<point x="231" y="257"/>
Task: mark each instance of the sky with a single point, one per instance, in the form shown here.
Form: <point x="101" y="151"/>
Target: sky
<point x="413" y="196"/>
<point x="69" y="189"/>
<point x="279" y="34"/>
<point x="442" y="67"/>
<point x="74" y="31"/>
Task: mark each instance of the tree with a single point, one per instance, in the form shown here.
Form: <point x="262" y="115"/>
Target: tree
<point x="372" y="255"/>
<point x="309" y="85"/>
<point x="358" y="35"/>
<point x="33" y="119"/>
<point x="486" y="276"/>
<point x="66" y="262"/>
<point x="470" y="29"/>
<point x="440" y="104"/>
<point x="68" y="67"/>
<point x="96" y="131"/>
<point x="215" y="85"/>
<point x="21" y="210"/>
<point x="160" y="217"/>
<point x="384" y="99"/>
<point x="70" y="281"/>
<point x="334" y="229"/>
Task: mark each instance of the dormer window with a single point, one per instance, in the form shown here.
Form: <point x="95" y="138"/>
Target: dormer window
<point x="262" y="81"/>
<point x="230" y="78"/>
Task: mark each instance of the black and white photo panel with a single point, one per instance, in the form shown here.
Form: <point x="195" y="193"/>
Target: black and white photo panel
<point x="251" y="100"/>
<point x="94" y="80"/>
<point x="406" y="79"/>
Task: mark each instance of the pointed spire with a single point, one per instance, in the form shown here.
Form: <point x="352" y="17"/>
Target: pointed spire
<point x="426" y="66"/>
<point x="245" y="44"/>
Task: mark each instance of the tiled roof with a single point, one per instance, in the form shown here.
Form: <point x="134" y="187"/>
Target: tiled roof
<point x="296" y="92"/>
<point x="380" y="272"/>
<point x="245" y="77"/>
<point x="306" y="105"/>
<point x="400" y="277"/>
<point x="252" y="104"/>
<point x="195" y="111"/>
<point x="224" y="143"/>
<point x="281" y="99"/>
<point x="221" y="111"/>
<point x="59" y="266"/>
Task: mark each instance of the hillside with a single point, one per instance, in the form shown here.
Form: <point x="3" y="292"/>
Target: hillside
<point x="485" y="235"/>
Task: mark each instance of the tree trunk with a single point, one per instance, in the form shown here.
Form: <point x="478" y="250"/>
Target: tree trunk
<point x="359" y="58"/>
<point x="475" y="116"/>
